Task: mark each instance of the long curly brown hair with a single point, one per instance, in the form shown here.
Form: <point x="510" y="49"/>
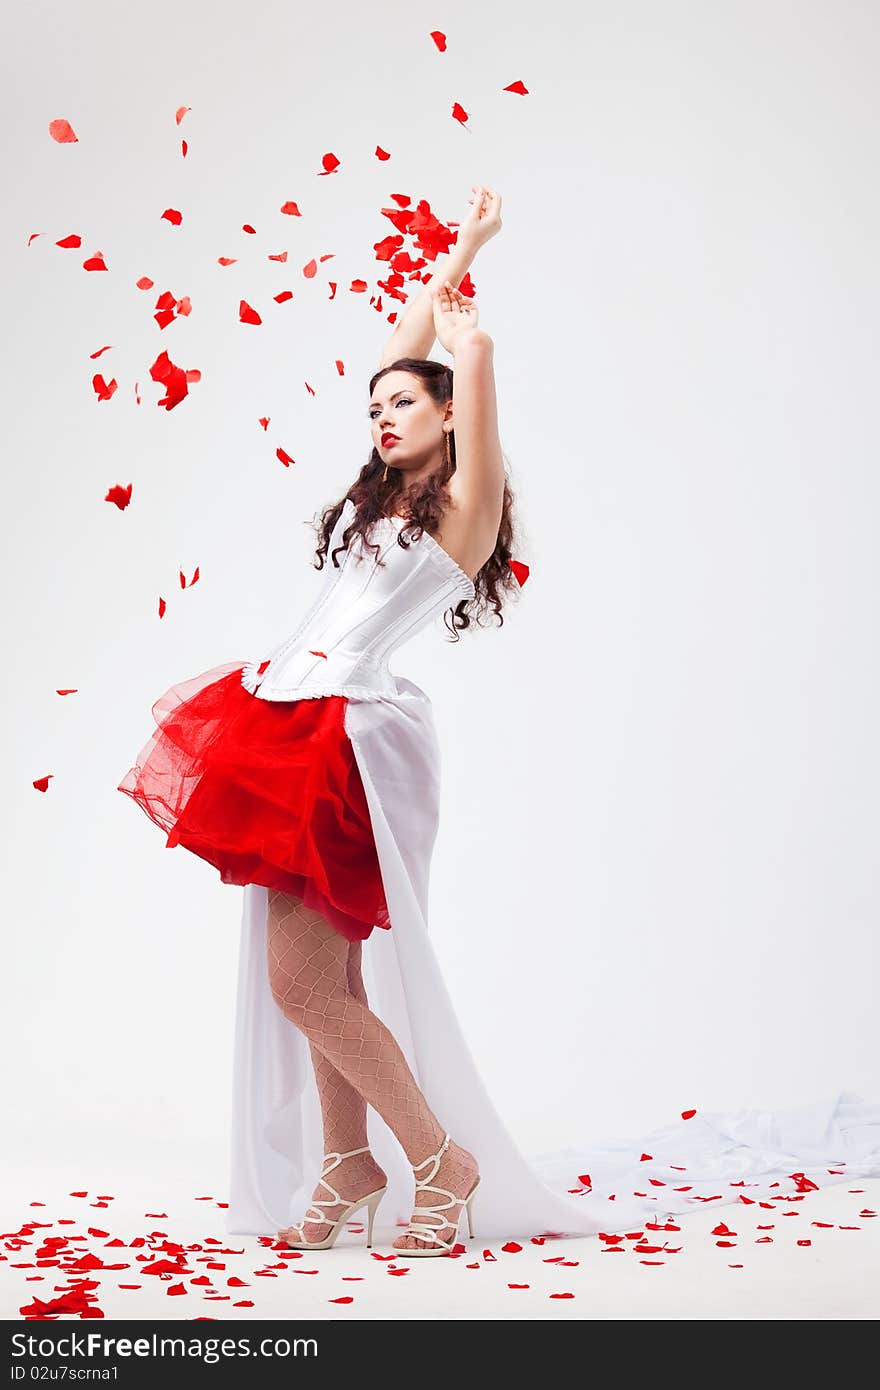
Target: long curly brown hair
<point x="375" y="496"/>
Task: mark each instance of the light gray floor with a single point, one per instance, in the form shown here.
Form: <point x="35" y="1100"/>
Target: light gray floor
<point x="836" y="1276"/>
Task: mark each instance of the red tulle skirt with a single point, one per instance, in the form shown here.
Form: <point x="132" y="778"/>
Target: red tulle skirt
<point x="267" y="791"/>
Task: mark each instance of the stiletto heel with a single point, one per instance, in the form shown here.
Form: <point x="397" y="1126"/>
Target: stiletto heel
<point x="371" y="1201"/>
<point x="468" y="1207"/>
<point x="425" y="1232"/>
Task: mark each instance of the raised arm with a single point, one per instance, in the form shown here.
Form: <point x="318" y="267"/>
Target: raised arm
<point x="414" y="335"/>
<point x="470" y="527"/>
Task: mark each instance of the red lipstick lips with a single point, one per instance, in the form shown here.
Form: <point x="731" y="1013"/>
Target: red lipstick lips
<point x="387" y="438"/>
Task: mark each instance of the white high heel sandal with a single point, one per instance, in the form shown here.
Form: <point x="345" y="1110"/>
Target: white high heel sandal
<point x="371" y="1201"/>
<point x="425" y="1232"/>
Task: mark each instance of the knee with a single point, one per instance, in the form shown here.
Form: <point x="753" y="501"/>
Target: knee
<point x="292" y="999"/>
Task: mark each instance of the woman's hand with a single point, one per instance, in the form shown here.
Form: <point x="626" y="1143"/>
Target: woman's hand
<point x="483" y="220"/>
<point x="453" y="315"/>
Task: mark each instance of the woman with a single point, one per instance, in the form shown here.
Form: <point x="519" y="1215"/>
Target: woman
<point x="312" y="777"/>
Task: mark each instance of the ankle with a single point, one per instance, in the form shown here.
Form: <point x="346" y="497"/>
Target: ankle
<point x="442" y="1147"/>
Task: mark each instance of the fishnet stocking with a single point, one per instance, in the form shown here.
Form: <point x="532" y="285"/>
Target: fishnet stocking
<point x="316" y="981"/>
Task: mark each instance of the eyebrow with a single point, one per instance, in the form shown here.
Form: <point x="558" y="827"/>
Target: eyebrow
<point x="394" y="397"/>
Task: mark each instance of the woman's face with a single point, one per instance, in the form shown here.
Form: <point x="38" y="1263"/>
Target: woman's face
<point x="401" y="406"/>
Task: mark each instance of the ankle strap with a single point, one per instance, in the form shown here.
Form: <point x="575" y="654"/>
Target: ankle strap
<point x="434" y="1158"/>
<point x="337" y="1157"/>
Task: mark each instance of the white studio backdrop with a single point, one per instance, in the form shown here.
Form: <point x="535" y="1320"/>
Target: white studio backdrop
<point x="655" y="886"/>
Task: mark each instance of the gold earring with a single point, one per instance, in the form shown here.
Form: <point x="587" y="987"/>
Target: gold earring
<point x="448" y="453"/>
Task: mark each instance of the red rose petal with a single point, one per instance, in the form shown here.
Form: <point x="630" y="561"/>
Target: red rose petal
<point x="62" y="132"/>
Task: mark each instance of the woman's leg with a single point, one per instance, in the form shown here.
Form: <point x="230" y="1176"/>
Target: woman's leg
<point x="308" y="974"/>
<point x="344" y="1115"/>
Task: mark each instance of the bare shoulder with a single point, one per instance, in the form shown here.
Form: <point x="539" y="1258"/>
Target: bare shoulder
<point x="469" y="529"/>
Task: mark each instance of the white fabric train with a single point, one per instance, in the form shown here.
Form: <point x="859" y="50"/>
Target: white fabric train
<point x="362" y="613"/>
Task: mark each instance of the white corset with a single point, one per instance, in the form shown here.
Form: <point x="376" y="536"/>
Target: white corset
<point x="367" y="608"/>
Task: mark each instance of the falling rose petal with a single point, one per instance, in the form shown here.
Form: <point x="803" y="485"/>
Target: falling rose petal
<point x="34" y="235"/>
<point x="459" y="113"/>
<point x="193" y="374"/>
<point x="290" y="209"/>
<point x="95" y="262"/>
<point x="100" y="352"/>
<point x="161" y="607"/>
<point x="323" y="654"/>
<point x="688" y="1114"/>
<point x="173" y="216"/>
<point x="284" y="457"/>
<point x="172" y="377"/>
<point x="330" y="163"/>
<point x="382" y="154"/>
<point x="646" y="1158"/>
<point x="42" y="783"/>
<point x="519" y="87"/>
<point x="144" y="283"/>
<point x="358" y="286"/>
<point x="227" y="260"/>
<point x="180" y="113"/>
<point x="278" y="256"/>
<point x="246" y="227"/>
<point x="567" y="1295"/>
<point x="519" y="1286"/>
<point x="120" y="495"/>
<point x="264" y="421"/>
<point x="332" y="286"/>
<point x="70" y="243"/>
<point x="247" y="314"/>
<point x="283" y="296"/>
<point x="62" y="132"/>
<point x="511" y="1248"/>
<point x="440" y="39"/>
<point x="72" y="691"/>
<point x="310" y="389"/>
<point x="340" y="367"/>
<point x="103" y="389"/>
<point x="520" y="571"/>
<point x="310" y="270"/>
<point x="184" y="149"/>
<point x="583" y="1178"/>
<point x="347" y="1298"/>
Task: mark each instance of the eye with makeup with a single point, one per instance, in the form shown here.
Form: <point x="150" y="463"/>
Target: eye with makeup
<point x="403" y="401"/>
